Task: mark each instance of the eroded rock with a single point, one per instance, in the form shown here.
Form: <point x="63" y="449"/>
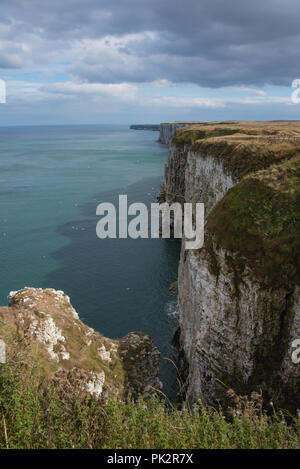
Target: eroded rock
<point x="141" y="362"/>
<point x="43" y="325"/>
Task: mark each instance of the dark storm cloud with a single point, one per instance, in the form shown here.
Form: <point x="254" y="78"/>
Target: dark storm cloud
<point x="207" y="42"/>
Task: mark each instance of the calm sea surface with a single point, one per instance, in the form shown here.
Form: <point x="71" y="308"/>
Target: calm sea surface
<point x="51" y="181"/>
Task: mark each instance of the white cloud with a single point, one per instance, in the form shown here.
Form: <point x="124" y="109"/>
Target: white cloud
<point x="255" y="91"/>
<point x="122" y="91"/>
<point x="20" y="90"/>
<point x="163" y="83"/>
<point x="175" y="101"/>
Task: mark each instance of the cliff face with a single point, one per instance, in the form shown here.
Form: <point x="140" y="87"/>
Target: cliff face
<point x="42" y="328"/>
<point x="166" y="132"/>
<point x="239" y="295"/>
<point x="168" y="129"/>
<point x="195" y="177"/>
<point x="174" y="183"/>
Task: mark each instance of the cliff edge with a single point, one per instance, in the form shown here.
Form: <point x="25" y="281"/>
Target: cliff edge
<point x="239" y="296"/>
<point x="42" y="328"/>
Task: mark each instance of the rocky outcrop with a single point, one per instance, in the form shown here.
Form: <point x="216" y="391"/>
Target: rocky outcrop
<point x="140" y="359"/>
<point x="42" y="327"/>
<point x="239" y="294"/>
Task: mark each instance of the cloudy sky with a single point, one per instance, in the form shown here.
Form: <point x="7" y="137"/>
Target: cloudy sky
<point x="148" y="61"/>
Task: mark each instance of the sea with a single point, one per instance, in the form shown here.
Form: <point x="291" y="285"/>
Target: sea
<point x="52" y="179"/>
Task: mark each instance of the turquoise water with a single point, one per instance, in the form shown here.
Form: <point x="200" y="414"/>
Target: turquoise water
<point x="51" y="181"/>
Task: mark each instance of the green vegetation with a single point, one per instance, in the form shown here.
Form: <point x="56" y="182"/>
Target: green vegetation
<point x="260" y="218"/>
<point x="189" y="135"/>
<point x="81" y="343"/>
<point x="34" y="414"/>
<point x="242" y="146"/>
<point x="242" y="155"/>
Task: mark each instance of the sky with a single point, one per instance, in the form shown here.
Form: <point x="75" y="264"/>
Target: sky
<point x="148" y="61"/>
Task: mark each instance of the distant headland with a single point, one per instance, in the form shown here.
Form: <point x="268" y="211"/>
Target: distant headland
<point x="154" y="127"/>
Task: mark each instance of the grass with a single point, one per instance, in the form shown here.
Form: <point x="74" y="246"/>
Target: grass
<point x="189" y="135"/>
<point x="82" y="343"/>
<point x="33" y="415"/>
<point x="242" y="146"/>
<point x="260" y="218"/>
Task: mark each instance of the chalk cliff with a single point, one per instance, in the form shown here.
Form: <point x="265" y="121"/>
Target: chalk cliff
<point x="42" y="328"/>
<point x="239" y="295"/>
<point x="167" y="130"/>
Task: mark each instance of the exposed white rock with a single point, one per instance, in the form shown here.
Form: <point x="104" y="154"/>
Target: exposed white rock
<point x="114" y="348"/>
<point x="37" y="294"/>
<point x="205" y="180"/>
<point x="227" y="326"/>
<point x="88" y="336"/>
<point x="78" y="355"/>
<point x="95" y="385"/>
<point x="104" y="354"/>
<point x="289" y="368"/>
<point x="10" y="296"/>
<point x="46" y="332"/>
<point x="2" y="351"/>
<point x="61" y="297"/>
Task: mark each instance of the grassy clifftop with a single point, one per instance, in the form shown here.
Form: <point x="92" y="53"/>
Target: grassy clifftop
<point x="260" y="218"/>
<point x="243" y="146"/>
